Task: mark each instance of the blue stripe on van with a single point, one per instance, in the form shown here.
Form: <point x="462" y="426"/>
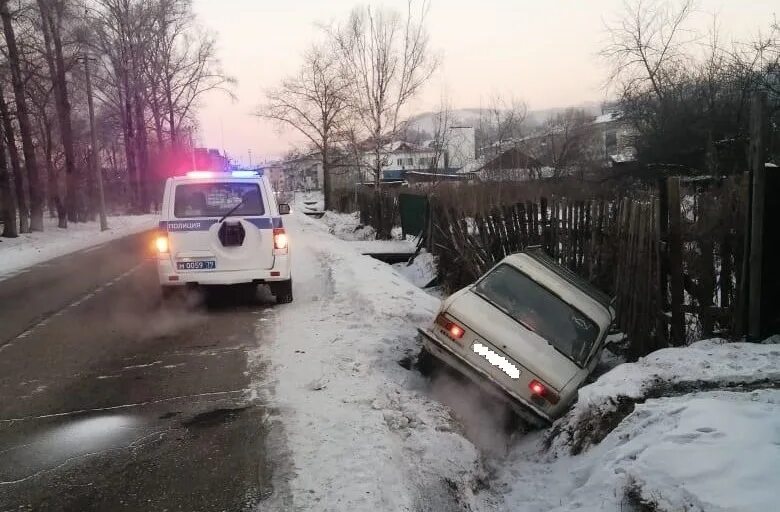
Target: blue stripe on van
<point x="205" y="224"/>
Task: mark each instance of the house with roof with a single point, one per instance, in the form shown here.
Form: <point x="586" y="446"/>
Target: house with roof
<point x="509" y="164"/>
<point x="432" y="158"/>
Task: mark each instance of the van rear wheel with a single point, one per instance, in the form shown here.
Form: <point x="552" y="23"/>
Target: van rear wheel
<point x="283" y="292"/>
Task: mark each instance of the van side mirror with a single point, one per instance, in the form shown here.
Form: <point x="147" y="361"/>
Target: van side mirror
<point x="284" y="209"/>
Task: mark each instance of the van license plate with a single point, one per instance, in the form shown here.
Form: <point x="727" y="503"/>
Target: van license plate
<point x="196" y="265"/>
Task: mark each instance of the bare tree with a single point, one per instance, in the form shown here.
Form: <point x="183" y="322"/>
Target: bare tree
<point x="52" y="13"/>
<point x="568" y="143"/>
<point x="687" y="96"/>
<point x="19" y="177"/>
<point x="442" y="124"/>
<point x="314" y="103"/>
<point x="22" y="114"/>
<point x="647" y="45"/>
<point x="386" y="59"/>
<point x="182" y="64"/>
<point x="7" y="196"/>
<point x="501" y="123"/>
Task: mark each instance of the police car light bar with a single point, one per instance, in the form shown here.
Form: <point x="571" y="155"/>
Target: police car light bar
<point x="235" y="174"/>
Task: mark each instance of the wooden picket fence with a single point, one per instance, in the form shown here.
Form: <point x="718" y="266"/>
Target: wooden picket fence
<point x="671" y="256"/>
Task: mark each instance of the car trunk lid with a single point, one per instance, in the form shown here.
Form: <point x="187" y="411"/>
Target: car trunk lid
<point x="525" y="347"/>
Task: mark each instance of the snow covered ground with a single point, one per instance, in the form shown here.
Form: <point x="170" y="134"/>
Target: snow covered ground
<point x="347" y="226"/>
<point x="422" y="270"/>
<point x="32" y="248"/>
<point x="362" y="434"/>
<point x="684" y="450"/>
<point x="692" y="428"/>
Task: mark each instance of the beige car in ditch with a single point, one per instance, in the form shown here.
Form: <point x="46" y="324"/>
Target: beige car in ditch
<point x="529" y="331"/>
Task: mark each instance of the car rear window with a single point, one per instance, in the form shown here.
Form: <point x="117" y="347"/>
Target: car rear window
<point x="540" y="310"/>
<point x="216" y="199"/>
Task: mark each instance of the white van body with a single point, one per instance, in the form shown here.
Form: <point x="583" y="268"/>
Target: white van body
<point x="250" y="245"/>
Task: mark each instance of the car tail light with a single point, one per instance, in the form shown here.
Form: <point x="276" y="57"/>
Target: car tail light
<point x="161" y="243"/>
<point x="454" y="330"/>
<point x="280" y="241"/>
<point x="539" y="389"/>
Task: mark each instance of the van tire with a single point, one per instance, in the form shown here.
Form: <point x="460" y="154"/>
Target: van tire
<point x="168" y="292"/>
<point x="283" y="291"/>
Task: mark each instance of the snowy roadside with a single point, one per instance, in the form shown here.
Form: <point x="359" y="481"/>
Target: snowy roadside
<point x="360" y="430"/>
<point x="683" y="450"/>
<point x="32" y="248"/>
<point x="691" y="428"/>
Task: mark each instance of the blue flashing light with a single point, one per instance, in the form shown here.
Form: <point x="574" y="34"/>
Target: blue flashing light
<point x="246" y="174"/>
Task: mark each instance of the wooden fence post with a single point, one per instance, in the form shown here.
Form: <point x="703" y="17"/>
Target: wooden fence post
<point x="676" y="262"/>
<point x="757" y="206"/>
<point x="661" y="224"/>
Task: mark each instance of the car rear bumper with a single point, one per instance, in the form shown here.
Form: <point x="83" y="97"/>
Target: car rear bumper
<point x="169" y="276"/>
<point x="484" y="380"/>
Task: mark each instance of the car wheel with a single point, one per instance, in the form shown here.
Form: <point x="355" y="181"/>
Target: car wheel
<point x="426" y="363"/>
<point x="283" y="291"/>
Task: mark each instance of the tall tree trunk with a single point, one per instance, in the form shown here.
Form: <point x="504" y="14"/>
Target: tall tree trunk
<point x="129" y="142"/>
<point x="94" y="154"/>
<point x="143" y="153"/>
<point x="56" y="61"/>
<point x="51" y="177"/>
<point x="326" y="170"/>
<point x="20" y="179"/>
<point x="8" y="214"/>
<point x="55" y="203"/>
<point x="30" y="163"/>
<point x="171" y="112"/>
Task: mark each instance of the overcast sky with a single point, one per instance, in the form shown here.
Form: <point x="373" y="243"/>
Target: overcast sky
<point x="541" y="51"/>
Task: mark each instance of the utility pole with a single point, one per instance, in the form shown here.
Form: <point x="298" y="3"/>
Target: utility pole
<point x="250" y="158"/>
<point x="93" y="154"/>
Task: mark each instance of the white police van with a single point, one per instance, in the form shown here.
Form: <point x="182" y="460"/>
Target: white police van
<point x="223" y="229"/>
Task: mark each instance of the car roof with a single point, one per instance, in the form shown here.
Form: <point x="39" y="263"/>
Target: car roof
<point x="576" y="292"/>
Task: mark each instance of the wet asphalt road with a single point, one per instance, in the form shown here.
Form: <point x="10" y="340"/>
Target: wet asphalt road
<point x="113" y="400"/>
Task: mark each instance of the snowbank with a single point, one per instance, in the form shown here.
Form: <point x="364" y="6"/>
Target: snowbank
<point x="422" y="270"/>
<point x="663" y="446"/>
<point x="714" y="451"/>
<point x="384" y="246"/>
<point x="709" y="364"/>
<point x="33" y="248"/>
<point x="347" y="226"/>
<point x="360" y="435"/>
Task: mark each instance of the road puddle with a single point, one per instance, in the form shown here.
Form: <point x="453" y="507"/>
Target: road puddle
<point x="80" y="436"/>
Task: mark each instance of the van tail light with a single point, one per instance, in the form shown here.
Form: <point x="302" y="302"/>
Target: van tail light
<point x="161" y="243"/>
<point x="539" y="389"/>
<point x="280" y="241"/>
<point x="454" y="330"/>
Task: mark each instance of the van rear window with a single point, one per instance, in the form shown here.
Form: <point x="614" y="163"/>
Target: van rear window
<point x="217" y="199"/>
